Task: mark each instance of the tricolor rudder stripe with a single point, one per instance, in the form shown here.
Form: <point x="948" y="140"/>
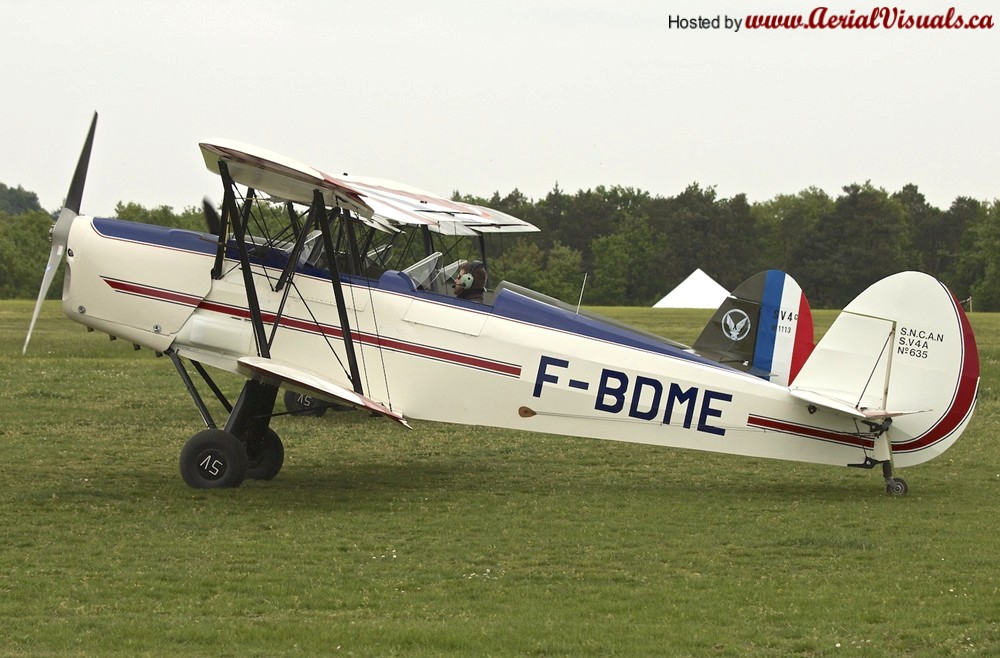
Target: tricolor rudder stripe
<point x="764" y="327"/>
<point x="785" y="334"/>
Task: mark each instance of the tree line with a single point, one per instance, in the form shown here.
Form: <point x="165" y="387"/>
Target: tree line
<point x="634" y="247"/>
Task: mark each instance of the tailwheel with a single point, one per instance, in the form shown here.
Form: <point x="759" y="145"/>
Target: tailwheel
<point x="213" y="459"/>
<point x="265" y="455"/>
<point x="896" y="486"/>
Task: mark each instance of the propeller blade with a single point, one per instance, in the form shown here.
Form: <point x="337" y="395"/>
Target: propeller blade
<point x="55" y="256"/>
<point x="211" y="217"/>
<point x="75" y="195"/>
<point x="60" y="230"/>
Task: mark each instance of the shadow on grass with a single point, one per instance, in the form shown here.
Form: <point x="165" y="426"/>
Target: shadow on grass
<point x="378" y="484"/>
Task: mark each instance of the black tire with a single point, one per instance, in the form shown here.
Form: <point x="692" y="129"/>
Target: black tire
<point x="266" y="457"/>
<point x="896" y="487"/>
<point x="301" y="404"/>
<point x="213" y="459"/>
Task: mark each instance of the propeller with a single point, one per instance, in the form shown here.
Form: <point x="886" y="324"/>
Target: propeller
<point x="60" y="229"/>
<point x="212" y="218"/>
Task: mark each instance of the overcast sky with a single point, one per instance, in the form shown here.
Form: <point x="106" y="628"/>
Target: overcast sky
<point x="490" y="96"/>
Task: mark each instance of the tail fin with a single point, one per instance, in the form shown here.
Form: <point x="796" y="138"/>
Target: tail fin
<point x="904" y="349"/>
<point x="765" y="328"/>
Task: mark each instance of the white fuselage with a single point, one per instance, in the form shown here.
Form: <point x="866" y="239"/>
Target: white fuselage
<point x="518" y="363"/>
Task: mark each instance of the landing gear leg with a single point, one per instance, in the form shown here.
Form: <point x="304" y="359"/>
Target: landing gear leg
<point x="894" y="486"/>
<point x="249" y="422"/>
<point x="247" y="447"/>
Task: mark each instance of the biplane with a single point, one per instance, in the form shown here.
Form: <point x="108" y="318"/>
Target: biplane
<point x="317" y="308"/>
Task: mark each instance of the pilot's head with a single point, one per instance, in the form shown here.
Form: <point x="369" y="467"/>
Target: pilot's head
<point x="470" y="279"/>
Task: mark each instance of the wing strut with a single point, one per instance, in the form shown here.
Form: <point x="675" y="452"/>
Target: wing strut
<point x="301" y="234"/>
<point x="231" y="214"/>
<point x="223" y="231"/>
<point x="482" y="251"/>
<point x="318" y="212"/>
<point x="425" y="233"/>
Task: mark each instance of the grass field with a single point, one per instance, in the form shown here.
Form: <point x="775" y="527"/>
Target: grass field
<point x="454" y="541"/>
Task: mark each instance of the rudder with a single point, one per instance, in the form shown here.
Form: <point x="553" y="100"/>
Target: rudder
<point x="903" y="348"/>
<point x="765" y="327"/>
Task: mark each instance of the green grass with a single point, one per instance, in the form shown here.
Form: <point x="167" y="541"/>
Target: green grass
<point x="447" y="540"/>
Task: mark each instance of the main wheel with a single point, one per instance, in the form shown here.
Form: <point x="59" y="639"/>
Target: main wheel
<point x="265" y="456"/>
<point x="213" y="459"/>
<point x="896" y="486"/>
<point x="301" y="404"/>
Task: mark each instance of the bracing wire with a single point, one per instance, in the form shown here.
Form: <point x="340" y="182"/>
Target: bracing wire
<point x="874" y="368"/>
<point x="378" y="345"/>
<point x="261" y="229"/>
<point x="378" y="335"/>
<point x="322" y="333"/>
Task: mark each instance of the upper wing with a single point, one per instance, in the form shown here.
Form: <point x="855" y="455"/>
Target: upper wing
<point x="298" y="379"/>
<point x="381" y="202"/>
<point x="279" y="176"/>
<point x="405" y="204"/>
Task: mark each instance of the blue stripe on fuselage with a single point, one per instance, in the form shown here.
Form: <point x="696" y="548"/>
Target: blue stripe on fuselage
<point x="160" y="236"/>
<point x="193" y="241"/>
<point x="508" y="304"/>
<point x="514" y="306"/>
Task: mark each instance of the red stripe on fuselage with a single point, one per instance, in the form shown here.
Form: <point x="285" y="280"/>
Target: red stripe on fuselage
<point x="161" y="294"/>
<point x="395" y="345"/>
<point x="808" y="431"/>
<point x="469" y="360"/>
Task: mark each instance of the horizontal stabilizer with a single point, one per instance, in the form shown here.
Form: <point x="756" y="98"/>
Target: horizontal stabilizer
<point x="841" y="406"/>
<point x="303" y="381"/>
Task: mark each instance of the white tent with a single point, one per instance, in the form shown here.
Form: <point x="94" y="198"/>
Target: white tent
<point x="697" y="291"/>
